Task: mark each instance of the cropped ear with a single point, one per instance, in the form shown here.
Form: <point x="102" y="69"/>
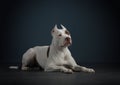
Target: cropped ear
<point x="54" y="29"/>
<point x="63" y="27"/>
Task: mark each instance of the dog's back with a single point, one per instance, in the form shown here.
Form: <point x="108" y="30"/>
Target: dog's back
<point x="34" y="55"/>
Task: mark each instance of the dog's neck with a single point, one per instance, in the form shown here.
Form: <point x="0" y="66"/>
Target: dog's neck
<point x="56" y="47"/>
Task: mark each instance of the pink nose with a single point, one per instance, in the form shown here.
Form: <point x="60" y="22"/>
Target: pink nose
<point x="67" y="39"/>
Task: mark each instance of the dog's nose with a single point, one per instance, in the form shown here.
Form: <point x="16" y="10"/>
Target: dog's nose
<point x="67" y="38"/>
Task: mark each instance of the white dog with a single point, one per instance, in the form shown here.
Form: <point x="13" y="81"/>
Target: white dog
<point x="55" y="57"/>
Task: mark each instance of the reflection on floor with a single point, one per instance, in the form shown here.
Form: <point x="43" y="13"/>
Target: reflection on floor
<point x="104" y="75"/>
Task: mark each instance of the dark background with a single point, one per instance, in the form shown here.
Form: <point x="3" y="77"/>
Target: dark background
<point x="94" y="25"/>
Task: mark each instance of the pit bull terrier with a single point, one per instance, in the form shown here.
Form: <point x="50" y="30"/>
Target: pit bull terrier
<point x="56" y="57"/>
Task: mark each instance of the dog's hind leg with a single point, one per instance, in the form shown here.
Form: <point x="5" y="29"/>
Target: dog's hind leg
<point x="28" y="59"/>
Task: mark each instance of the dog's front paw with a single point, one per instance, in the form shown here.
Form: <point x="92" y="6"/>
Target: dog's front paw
<point x="68" y="71"/>
<point x="91" y="70"/>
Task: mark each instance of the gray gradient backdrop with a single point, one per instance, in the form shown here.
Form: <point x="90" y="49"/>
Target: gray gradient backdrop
<point x="93" y="25"/>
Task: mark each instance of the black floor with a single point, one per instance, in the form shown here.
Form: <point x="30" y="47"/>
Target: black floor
<point x="104" y="76"/>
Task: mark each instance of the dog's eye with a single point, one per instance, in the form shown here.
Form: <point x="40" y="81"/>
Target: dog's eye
<point x="67" y="32"/>
<point x="60" y="35"/>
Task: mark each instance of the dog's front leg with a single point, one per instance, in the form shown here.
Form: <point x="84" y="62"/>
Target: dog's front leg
<point x="83" y="69"/>
<point x="58" y="68"/>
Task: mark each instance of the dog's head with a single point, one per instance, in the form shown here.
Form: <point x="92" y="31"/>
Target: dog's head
<point x="61" y="37"/>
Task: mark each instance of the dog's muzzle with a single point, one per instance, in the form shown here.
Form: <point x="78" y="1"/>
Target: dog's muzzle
<point x="67" y="42"/>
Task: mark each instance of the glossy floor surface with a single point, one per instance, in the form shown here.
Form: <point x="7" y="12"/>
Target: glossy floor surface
<point x="103" y="76"/>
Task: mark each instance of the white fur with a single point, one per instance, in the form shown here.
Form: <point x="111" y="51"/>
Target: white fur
<point x="59" y="59"/>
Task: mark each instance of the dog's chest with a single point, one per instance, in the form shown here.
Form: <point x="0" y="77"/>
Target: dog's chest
<point x="60" y="58"/>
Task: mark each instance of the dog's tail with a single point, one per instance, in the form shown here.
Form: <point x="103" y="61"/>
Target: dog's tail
<point x="13" y="67"/>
